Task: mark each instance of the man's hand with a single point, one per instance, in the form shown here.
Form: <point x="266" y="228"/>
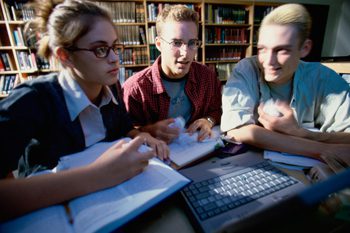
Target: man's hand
<point x="159" y="146"/>
<point x="204" y="127"/>
<point x="162" y="131"/>
<point x="286" y="123"/>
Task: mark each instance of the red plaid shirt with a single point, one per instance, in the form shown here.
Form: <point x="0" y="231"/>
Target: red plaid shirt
<point x="147" y="101"/>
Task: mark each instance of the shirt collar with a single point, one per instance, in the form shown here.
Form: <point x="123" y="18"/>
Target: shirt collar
<point x="76" y="98"/>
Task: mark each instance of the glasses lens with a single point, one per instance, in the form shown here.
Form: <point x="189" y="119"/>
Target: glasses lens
<point x="118" y="49"/>
<point x="177" y="43"/>
<point x="101" y="51"/>
<point x="194" y="44"/>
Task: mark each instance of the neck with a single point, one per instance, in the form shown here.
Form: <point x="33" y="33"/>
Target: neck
<point x="92" y="90"/>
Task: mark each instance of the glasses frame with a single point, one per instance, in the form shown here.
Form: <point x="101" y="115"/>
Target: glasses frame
<point x="114" y="47"/>
<point x="172" y="43"/>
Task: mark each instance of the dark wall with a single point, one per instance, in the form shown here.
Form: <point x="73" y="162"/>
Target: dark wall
<point x="319" y="15"/>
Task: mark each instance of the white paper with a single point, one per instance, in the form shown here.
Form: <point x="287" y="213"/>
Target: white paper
<point x="52" y="219"/>
<point x="187" y="149"/>
<point x="116" y="205"/>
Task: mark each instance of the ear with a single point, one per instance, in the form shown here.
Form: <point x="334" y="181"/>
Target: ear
<point x="158" y="44"/>
<point x="63" y="56"/>
<point x="305" y="48"/>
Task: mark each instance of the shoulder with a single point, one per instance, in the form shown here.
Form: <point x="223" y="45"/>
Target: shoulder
<point x="315" y="70"/>
<point x="198" y="67"/>
<point x="138" y="78"/>
<point x="40" y="92"/>
<point x="202" y="71"/>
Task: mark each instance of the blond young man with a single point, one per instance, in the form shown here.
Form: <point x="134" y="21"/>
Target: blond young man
<point x="175" y="85"/>
<point x="307" y="95"/>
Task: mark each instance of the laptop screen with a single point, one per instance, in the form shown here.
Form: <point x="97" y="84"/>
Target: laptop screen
<point x="302" y="212"/>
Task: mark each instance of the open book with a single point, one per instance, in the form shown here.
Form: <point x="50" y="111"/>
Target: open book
<point x="105" y="210"/>
<point x="186" y="149"/>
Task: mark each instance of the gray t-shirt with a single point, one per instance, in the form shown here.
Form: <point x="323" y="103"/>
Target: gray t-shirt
<point x="180" y="104"/>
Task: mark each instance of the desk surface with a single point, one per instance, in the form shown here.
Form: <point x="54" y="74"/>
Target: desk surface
<point x="170" y="216"/>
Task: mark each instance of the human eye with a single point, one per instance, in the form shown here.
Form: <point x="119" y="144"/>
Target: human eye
<point x="283" y="51"/>
<point x="177" y="43"/>
<point x="118" y="48"/>
<point x="261" y="50"/>
<point x="194" y="43"/>
<point x="100" y="51"/>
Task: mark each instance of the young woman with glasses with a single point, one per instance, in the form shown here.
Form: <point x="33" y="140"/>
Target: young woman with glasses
<point x="65" y="112"/>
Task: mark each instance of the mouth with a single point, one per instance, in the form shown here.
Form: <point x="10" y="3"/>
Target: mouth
<point x="113" y="71"/>
<point x="272" y="70"/>
<point x="182" y="63"/>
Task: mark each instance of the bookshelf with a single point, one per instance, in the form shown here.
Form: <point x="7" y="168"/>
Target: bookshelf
<point x="228" y="30"/>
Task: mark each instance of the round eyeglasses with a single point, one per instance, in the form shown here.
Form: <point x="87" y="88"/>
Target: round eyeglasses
<point x="101" y="51"/>
<point x="192" y="44"/>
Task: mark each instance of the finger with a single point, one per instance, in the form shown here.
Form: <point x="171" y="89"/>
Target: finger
<point x="163" y="151"/>
<point x="203" y="134"/>
<point x="192" y="128"/>
<point x="168" y="121"/>
<point x="119" y="144"/>
<point x="167" y="137"/>
<point x="136" y="142"/>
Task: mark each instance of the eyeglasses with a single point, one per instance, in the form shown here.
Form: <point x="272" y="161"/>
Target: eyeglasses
<point x="192" y="44"/>
<point x="101" y="51"/>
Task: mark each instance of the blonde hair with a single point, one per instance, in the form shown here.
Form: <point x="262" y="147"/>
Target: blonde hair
<point x="61" y="23"/>
<point x="177" y="13"/>
<point x="291" y="14"/>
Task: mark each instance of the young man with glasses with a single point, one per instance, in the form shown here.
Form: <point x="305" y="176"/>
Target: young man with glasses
<point x="175" y="85"/>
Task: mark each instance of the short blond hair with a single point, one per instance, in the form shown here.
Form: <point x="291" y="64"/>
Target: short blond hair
<point x="177" y="13"/>
<point x="291" y="14"/>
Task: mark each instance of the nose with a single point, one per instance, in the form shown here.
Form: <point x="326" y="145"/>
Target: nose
<point x="270" y="57"/>
<point x="115" y="57"/>
<point x="184" y="49"/>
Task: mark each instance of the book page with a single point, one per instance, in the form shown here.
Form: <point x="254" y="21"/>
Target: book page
<point x="108" y="209"/>
<point x="187" y="149"/>
<point x="52" y="219"/>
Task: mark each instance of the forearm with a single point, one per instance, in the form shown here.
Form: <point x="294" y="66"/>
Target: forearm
<point x="327" y="137"/>
<point x="266" y="139"/>
<point x="19" y="196"/>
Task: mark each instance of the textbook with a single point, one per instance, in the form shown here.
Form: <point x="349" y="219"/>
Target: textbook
<point x="186" y="149"/>
<point x="105" y="210"/>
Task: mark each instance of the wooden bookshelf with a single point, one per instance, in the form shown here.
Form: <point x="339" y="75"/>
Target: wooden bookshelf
<point x="228" y="30"/>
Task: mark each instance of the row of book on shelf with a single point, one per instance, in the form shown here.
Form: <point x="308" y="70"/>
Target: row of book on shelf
<point x="27" y="61"/>
<point x="125" y="12"/>
<point x="153" y="9"/>
<point x="135" y="56"/>
<point x="226" y="14"/>
<point x="132" y="35"/>
<point x="219" y="35"/>
<point x="16" y="10"/>
<point x="225" y="53"/>
<point x="223" y="70"/>
<point x="8" y="82"/>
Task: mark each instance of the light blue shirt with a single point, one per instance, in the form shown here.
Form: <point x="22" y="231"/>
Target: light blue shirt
<point x="320" y="97"/>
<point x="79" y="105"/>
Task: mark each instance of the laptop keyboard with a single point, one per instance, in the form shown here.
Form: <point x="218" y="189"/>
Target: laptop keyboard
<point x="223" y="193"/>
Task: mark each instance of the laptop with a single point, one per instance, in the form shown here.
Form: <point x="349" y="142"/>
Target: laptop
<point x="321" y="207"/>
<point x="225" y="191"/>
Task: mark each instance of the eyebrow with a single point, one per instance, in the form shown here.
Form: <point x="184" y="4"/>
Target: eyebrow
<point x="105" y="42"/>
<point x="286" y="46"/>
